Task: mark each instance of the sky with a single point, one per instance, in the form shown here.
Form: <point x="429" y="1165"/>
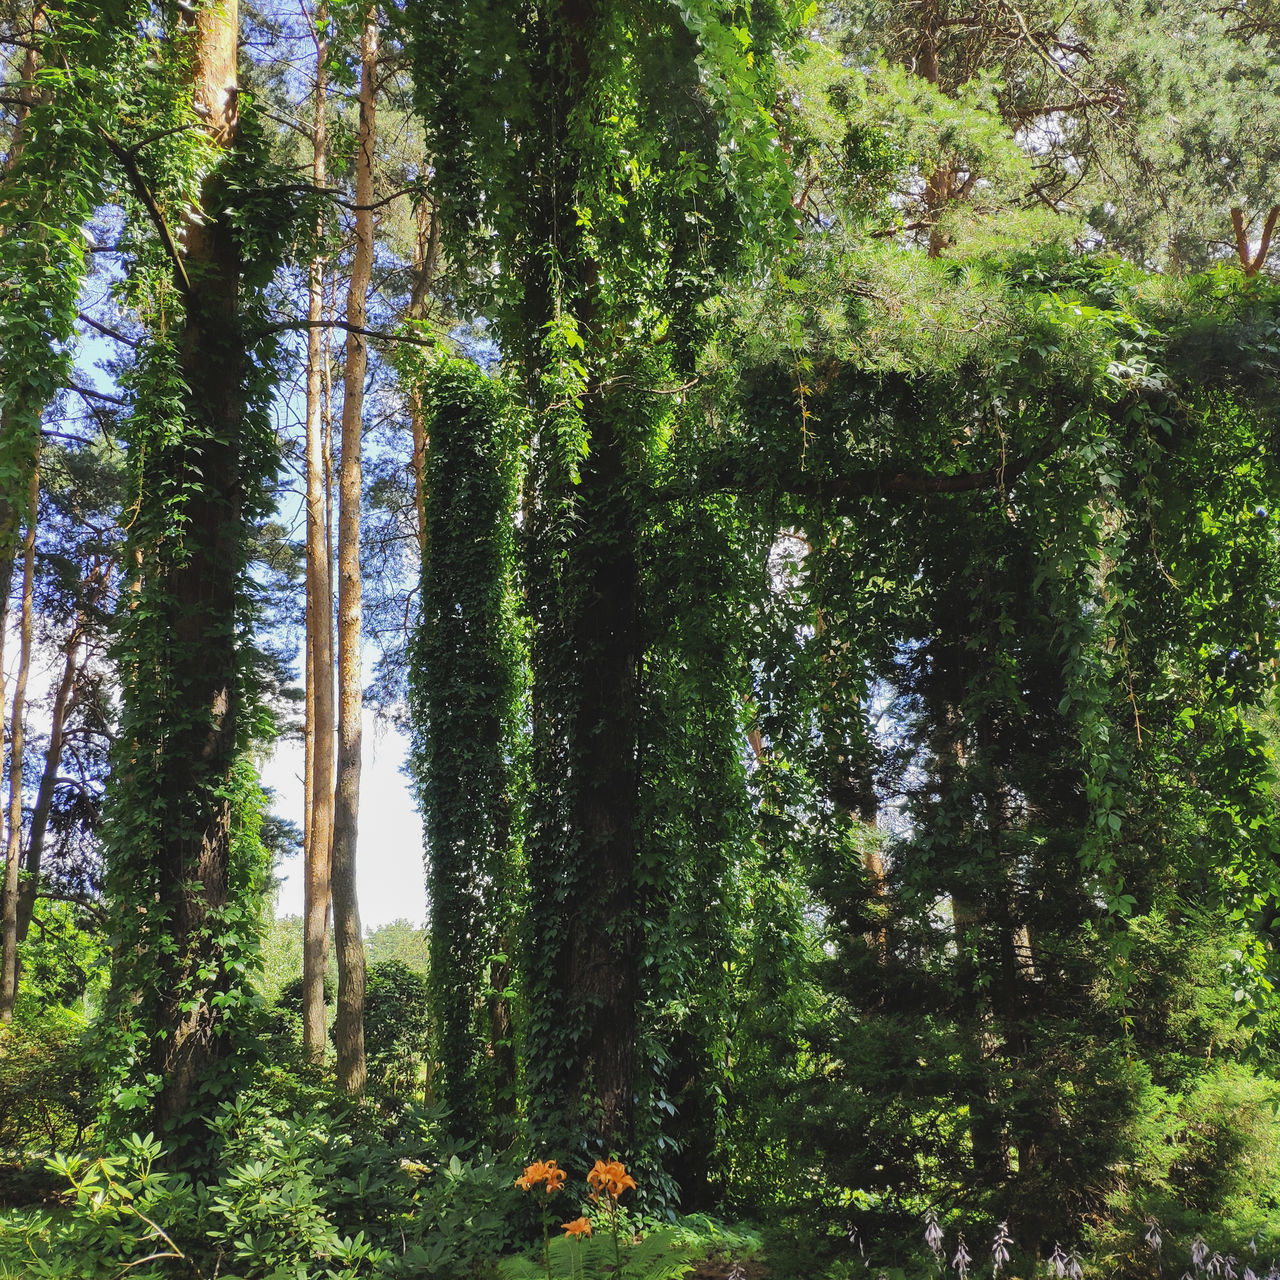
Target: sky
<point x="389" y="872"/>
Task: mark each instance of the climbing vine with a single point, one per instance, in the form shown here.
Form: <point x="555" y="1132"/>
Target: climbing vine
<point x="466" y="693"/>
<point x="186" y="868"/>
<point x="633" y="158"/>
<point x="1036" y="637"/>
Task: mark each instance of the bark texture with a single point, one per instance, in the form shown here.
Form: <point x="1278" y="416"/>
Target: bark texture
<point x="63" y="701"/>
<point x="197" y="589"/>
<point x="349" y="1027"/>
<point x="320" y="699"/>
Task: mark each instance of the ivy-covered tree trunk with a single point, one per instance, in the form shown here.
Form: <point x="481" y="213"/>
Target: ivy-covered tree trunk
<point x="594" y="184"/>
<point x="602" y="961"/>
<point x="199" y="589"/>
<point x="185" y="908"/>
<point x="465" y="687"/>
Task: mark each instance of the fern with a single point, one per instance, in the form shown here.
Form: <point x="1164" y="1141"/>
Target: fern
<point x="661" y="1255"/>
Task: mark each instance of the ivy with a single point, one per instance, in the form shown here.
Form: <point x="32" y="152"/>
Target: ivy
<point x="598" y="166"/>
<point x="187" y="869"/>
<point x="466" y="693"/>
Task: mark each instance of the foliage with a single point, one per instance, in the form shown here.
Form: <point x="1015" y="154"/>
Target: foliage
<point x="845" y="674"/>
<point x="397" y="1030"/>
<point x="297" y="1185"/>
<point x="43" y="260"/>
<point x="659" y="1255"/>
<point x="47" y="1095"/>
<point x="1046" y="673"/>
<point x="466" y="685"/>
<point x="64" y="959"/>
<point x="186" y="864"/>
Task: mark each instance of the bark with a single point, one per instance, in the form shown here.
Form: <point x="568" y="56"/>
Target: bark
<point x="17" y="744"/>
<point x="320" y="699"/>
<point x="597" y="962"/>
<point x="26" y="92"/>
<point x="603" y="977"/>
<point x="349" y="1028"/>
<point x="937" y="187"/>
<point x="1252" y="263"/>
<point x="425" y="266"/>
<point x="8" y="514"/>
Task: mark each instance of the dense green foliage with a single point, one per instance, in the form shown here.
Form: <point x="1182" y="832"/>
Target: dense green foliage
<point x="466" y="687"/>
<point x="842" y="681"/>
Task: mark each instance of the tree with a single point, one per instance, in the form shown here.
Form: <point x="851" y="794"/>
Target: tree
<point x="466" y="693"/>
<point x="349" y="1029"/>
<point x="1031" y="630"/>
<point x="625" y="120"/>
<point x="321" y="725"/>
<point x="17" y="742"/>
<point x="184" y="865"/>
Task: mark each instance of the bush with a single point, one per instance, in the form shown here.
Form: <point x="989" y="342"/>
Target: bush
<point x="46" y="1085"/>
<point x="300" y="1185"/>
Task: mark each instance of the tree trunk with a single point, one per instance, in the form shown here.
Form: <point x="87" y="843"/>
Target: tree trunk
<point x="603" y="959"/>
<point x="349" y="1030"/>
<point x="320" y="700"/>
<point x="17" y="744"/>
<point x="26" y="90"/>
<point x="427" y="260"/>
<point x="1252" y="263"/>
<point x="62" y="702"/>
<point x="8" y="514"/>
<point x="582" y="862"/>
<point x="171" y="829"/>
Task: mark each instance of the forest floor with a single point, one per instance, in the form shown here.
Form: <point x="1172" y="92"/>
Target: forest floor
<point x="723" y="1268"/>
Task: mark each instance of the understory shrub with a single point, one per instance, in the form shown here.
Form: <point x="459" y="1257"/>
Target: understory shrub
<point x="46" y="1084"/>
<point x="309" y="1191"/>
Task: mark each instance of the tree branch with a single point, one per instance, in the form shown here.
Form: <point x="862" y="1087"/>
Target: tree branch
<point x="90" y="394"/>
<point x="129" y="163"/>
<point x="106" y="330"/>
<point x="286" y="326"/>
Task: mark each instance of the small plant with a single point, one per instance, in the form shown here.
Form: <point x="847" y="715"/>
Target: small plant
<point x="548" y="1173"/>
<point x="581" y="1255"/>
<point x="608" y="1182"/>
<point x="576" y="1230"/>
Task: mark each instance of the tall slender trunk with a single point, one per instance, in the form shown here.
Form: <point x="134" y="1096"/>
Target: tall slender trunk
<point x="26" y="90"/>
<point x="17" y="746"/>
<point x="426" y="261"/>
<point x="349" y="1029"/>
<point x="63" y="700"/>
<point x="320" y="699"/>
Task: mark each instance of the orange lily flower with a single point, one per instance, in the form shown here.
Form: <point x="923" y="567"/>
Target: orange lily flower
<point x="578" y="1227"/>
<point x="533" y="1174"/>
<point x="612" y="1178"/>
<point x="555" y="1178"/>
